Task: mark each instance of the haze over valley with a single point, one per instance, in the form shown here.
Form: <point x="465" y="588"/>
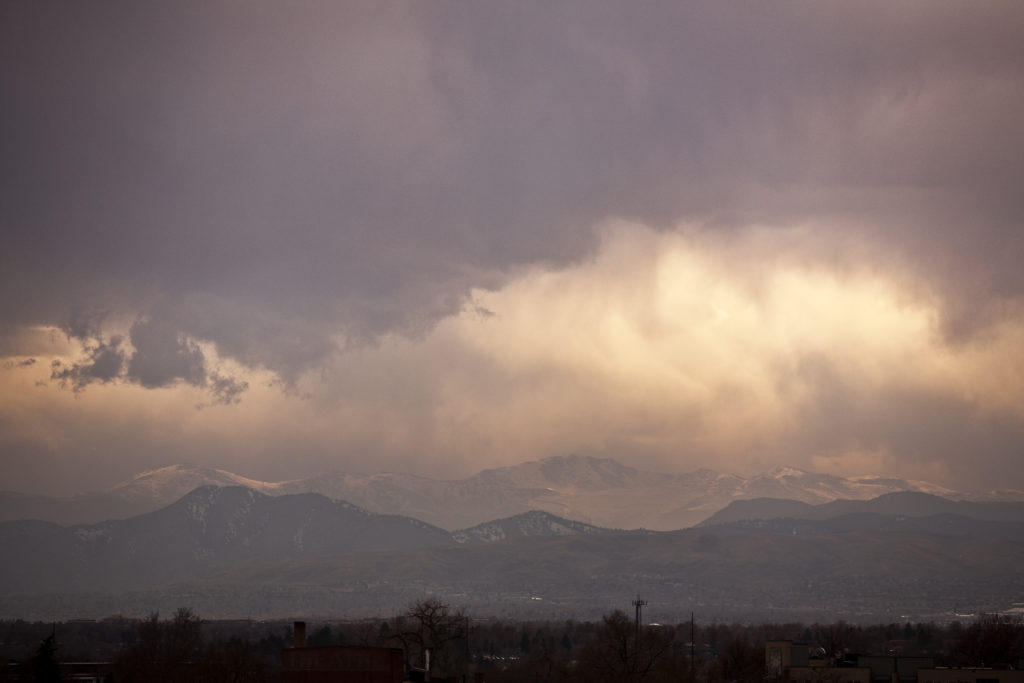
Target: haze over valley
<point x="263" y="550"/>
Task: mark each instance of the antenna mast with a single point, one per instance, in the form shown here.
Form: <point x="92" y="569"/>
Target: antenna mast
<point x="639" y="605"/>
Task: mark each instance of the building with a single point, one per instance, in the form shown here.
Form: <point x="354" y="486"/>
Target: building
<point x="339" y="664"/>
<point x="77" y="672"/>
<point x="968" y="675"/>
<point x="802" y="663"/>
<point x="797" y="662"/>
<point x="342" y="664"/>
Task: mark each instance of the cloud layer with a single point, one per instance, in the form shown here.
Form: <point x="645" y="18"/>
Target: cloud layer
<point x="707" y="233"/>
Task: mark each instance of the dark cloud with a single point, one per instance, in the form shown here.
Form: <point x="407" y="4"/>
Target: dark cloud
<point x="164" y="356"/>
<point x="103" y="363"/>
<point x="352" y="170"/>
<point x="83" y="324"/>
<point x="26" y="363"/>
<point x="198" y="194"/>
<point x="226" y="390"/>
<point x="154" y="354"/>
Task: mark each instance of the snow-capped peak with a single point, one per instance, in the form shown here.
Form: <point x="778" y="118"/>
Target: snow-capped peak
<point x="172" y="482"/>
<point x="785" y="471"/>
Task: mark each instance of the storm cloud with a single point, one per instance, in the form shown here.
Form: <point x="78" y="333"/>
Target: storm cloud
<point x="256" y="204"/>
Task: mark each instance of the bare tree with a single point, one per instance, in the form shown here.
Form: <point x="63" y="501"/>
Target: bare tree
<point x="432" y="626"/>
<point x="618" y="654"/>
<point x="739" y="661"/>
<point x="992" y="639"/>
<point x="837" y="639"/>
<point x="230" y="662"/>
<point x="163" y="651"/>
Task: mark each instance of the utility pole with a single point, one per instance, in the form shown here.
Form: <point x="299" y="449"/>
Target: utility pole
<point x="465" y="675"/>
<point x="693" y="671"/>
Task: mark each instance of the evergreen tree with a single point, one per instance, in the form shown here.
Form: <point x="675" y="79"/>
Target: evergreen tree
<point x="44" y="665"/>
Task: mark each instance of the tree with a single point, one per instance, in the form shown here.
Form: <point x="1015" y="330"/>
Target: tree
<point x="837" y="639"/>
<point x="618" y="654"/>
<point x="44" y="665"/>
<point x="546" y="662"/>
<point x="740" y="661"/>
<point x="992" y="639"/>
<point x="431" y="626"/>
<point x="163" y="651"/>
<point x="322" y="638"/>
<point x="230" y="662"/>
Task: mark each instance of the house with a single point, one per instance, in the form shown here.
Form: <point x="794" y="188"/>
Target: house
<point x="339" y="664"/>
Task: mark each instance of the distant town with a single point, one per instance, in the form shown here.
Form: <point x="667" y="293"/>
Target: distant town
<point x="433" y="641"/>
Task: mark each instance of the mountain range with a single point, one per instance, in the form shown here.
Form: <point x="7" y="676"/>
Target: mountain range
<point x="234" y="551"/>
<point x="902" y="504"/>
<point x="596" y="491"/>
<point x="214" y="528"/>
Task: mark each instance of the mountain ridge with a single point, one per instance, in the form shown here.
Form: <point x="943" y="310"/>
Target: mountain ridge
<point x="209" y="528"/>
<point x="533" y="523"/>
<point x="598" y="491"/>
<point x="233" y="550"/>
<point x="900" y="503"/>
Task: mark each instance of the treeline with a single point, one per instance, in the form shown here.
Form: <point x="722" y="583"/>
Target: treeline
<point x="182" y="647"/>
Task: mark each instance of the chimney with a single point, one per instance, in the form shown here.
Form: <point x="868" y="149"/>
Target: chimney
<point x="300" y="634"/>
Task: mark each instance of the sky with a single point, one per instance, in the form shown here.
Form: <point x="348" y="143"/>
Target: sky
<point x="438" y="237"/>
